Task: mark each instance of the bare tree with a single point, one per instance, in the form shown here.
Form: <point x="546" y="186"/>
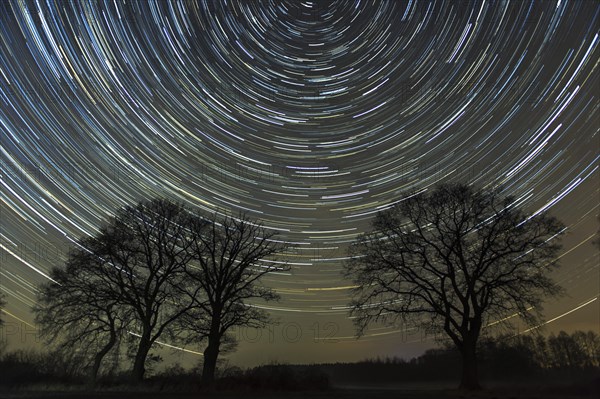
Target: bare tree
<point x="565" y="351"/>
<point x="589" y="343"/>
<point x="230" y="255"/>
<point x="149" y="245"/>
<point x="454" y="260"/>
<point x="79" y="309"/>
<point x="134" y="266"/>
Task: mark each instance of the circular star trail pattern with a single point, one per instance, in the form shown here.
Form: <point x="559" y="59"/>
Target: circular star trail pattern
<point x="308" y="116"/>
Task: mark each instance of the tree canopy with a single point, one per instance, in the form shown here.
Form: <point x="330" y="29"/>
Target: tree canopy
<point x="81" y="308"/>
<point x="158" y="269"/>
<point x="454" y="259"/>
<point x="230" y="256"/>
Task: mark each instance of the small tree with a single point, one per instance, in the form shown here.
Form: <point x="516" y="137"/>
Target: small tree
<point x="566" y="353"/>
<point x="79" y="309"/>
<point x="454" y="259"/>
<point x="589" y="344"/>
<point x="230" y="257"/>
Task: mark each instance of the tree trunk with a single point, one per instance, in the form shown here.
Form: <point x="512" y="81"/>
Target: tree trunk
<point x="211" y="353"/>
<point x="470" y="375"/>
<point x="100" y="355"/>
<point x="139" y="365"/>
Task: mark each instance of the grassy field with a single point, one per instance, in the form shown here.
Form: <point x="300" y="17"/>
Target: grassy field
<point x="504" y="393"/>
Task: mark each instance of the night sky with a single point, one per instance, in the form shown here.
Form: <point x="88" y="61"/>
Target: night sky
<point x="309" y="116"/>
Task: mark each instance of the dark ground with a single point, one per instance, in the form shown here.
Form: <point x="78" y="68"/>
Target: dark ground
<point x="355" y="393"/>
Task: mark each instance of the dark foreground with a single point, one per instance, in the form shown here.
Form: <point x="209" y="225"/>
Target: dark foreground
<point x="345" y="393"/>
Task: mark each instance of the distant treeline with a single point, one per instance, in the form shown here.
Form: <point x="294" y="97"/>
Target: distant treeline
<point x="564" y="357"/>
<point x="523" y="357"/>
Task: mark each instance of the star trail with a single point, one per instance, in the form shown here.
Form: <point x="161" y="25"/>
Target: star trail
<point x="310" y="116"/>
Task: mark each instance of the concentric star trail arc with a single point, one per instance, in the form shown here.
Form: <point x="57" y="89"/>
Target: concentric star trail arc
<point x="309" y="116"/>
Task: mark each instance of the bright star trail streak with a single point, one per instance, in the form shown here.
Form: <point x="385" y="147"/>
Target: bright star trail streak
<point x="309" y="116"/>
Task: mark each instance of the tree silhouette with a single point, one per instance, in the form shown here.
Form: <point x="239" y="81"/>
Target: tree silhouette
<point x="566" y="351"/>
<point x="230" y="256"/>
<point x="79" y="309"/>
<point x="454" y="260"/>
<point x="148" y="245"/>
<point x="129" y="274"/>
<point x="589" y="342"/>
